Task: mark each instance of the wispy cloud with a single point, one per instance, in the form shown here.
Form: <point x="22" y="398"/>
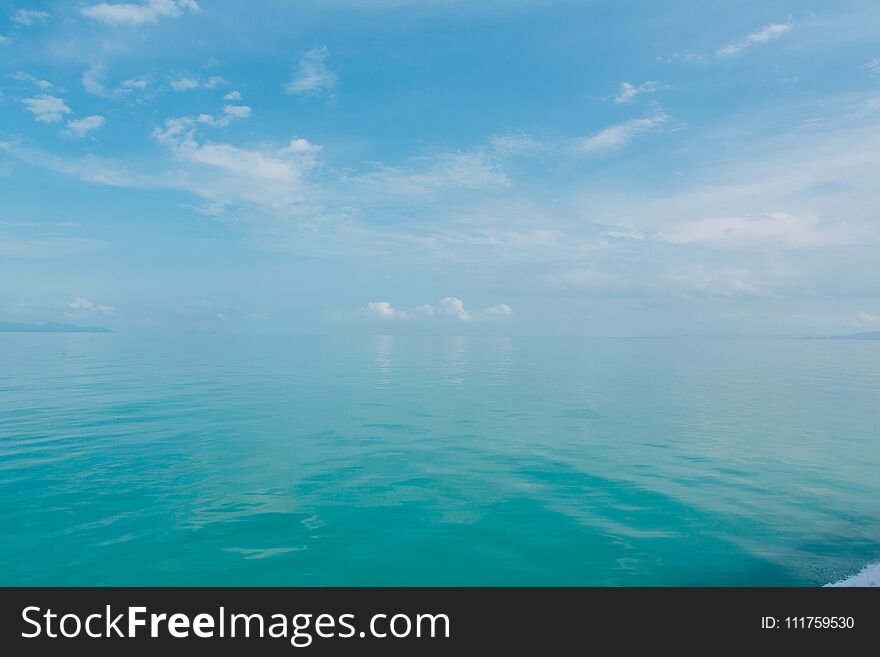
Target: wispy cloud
<point x="269" y="177"/>
<point x="774" y="230"/>
<point x="619" y="135"/>
<point x="230" y="114"/>
<point x="47" y="109"/>
<point x="133" y="83"/>
<point x="48" y="240"/>
<point x="29" y="16"/>
<point x="93" y="81"/>
<point x="450" y="308"/>
<point x="313" y="76"/>
<point x="430" y="174"/>
<point x="131" y="13"/>
<point x="77" y="309"/>
<point x="863" y="319"/>
<point x="81" y="127"/>
<point x="27" y="77"/>
<point x="766" y="33"/>
<point x="186" y="83"/>
<point x="628" y="92"/>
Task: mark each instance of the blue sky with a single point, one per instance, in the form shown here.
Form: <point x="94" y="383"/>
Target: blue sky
<point x="393" y="166"/>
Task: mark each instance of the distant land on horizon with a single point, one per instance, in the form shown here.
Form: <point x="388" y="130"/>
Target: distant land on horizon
<point x="49" y="327"/>
<point x="865" y="335"/>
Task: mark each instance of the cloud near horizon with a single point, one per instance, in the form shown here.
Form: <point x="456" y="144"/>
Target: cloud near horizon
<point x="449" y="307"/>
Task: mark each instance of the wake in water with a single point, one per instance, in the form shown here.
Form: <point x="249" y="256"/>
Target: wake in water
<point x="868" y="576"/>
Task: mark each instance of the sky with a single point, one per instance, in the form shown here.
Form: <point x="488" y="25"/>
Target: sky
<point x="519" y="167"/>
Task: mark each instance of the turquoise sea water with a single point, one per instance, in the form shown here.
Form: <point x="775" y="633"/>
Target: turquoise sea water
<point x="230" y="460"/>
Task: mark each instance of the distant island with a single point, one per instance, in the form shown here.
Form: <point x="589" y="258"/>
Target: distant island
<point x="866" y="335"/>
<point x="51" y="327"/>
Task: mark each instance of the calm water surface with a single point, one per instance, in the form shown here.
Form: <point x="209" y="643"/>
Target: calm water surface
<point x="436" y="461"/>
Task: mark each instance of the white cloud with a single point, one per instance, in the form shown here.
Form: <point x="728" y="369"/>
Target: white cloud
<point x="766" y="33"/>
<point x="27" y="77"/>
<point x="267" y="177"/>
<point x="864" y="319"/>
<point x="301" y="146"/>
<point x="93" y="82"/>
<point x="202" y="310"/>
<point x="133" y="83"/>
<point x="83" y="307"/>
<point x="47" y="109"/>
<point x="185" y="84"/>
<point x="312" y="75"/>
<point x="516" y="144"/>
<point x="232" y="95"/>
<point x="619" y="135"/>
<point x="873" y="65"/>
<point x="28" y="16"/>
<point x="499" y="310"/>
<point x="443" y="171"/>
<point x="771" y="230"/>
<point x="628" y="92"/>
<point x="131" y="13"/>
<point x="237" y="111"/>
<point x="450" y="307"/>
<point x="24" y="240"/>
<point x="81" y="127"/>
<point x="383" y="310"/>
<point x="4" y="40"/>
<point x="701" y="280"/>
<point x="230" y="114"/>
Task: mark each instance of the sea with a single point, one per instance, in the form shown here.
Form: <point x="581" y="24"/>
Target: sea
<point x="222" y="459"/>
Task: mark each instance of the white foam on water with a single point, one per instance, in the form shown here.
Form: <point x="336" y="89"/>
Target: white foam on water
<point x="867" y="576"/>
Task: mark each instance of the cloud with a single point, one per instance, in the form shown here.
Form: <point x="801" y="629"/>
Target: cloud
<point x="619" y="135"/>
<point x="78" y="309"/>
<point x="864" y="319"/>
<point x="230" y="114"/>
<point x="232" y="95"/>
<point x="185" y="84"/>
<point x="83" y="307"/>
<point x="203" y="310"/>
<point x="874" y="65"/>
<point x="773" y="230"/>
<point x="450" y="307"/>
<point x="130" y="13"/>
<point x="81" y="127"/>
<point x="28" y="16"/>
<point x="312" y="75"/>
<point x="440" y="171"/>
<point x="628" y="92"/>
<point x="24" y="240"/>
<point x="90" y="168"/>
<point x="267" y="177"/>
<point x="133" y="83"/>
<point x="383" y="310"/>
<point x="237" y="111"/>
<point x="516" y="144"/>
<point x="766" y="33"/>
<point x="4" y="40"/>
<point x="47" y="109"/>
<point x="93" y="82"/>
<point x="27" y="77"/>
